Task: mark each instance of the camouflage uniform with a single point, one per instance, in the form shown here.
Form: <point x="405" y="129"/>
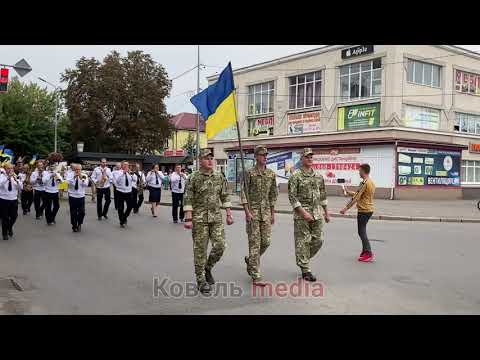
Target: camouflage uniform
<point x="203" y="193"/>
<point x="307" y="189"/>
<point x="262" y="195"/>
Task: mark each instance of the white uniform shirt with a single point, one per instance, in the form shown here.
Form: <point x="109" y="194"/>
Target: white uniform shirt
<point x="178" y="183"/>
<point x="152" y="179"/>
<point x="5" y="193"/>
<point x="97" y="176"/>
<point x="120" y="182"/>
<point x="136" y="180"/>
<point x="47" y="181"/>
<point x="22" y="176"/>
<point x="82" y="184"/>
<point x="37" y="181"/>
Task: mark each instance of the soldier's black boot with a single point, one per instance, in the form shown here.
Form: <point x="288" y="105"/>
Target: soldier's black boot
<point x="308" y="276"/>
<point x="204" y="288"/>
<point x="209" y="277"/>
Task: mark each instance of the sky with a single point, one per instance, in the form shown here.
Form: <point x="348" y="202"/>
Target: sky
<point x="49" y="61"/>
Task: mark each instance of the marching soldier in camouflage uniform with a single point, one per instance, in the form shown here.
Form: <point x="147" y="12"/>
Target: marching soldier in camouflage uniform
<point x="259" y="210"/>
<point x="306" y="192"/>
<point x="205" y="190"/>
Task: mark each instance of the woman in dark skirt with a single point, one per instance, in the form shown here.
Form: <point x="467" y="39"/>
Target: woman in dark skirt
<point x="154" y="183"/>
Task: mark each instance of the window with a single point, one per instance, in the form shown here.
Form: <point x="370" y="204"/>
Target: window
<point x="423" y="73"/>
<point x="467" y="83"/>
<point x="361" y="80"/>
<point x="305" y="90"/>
<point x="470" y="172"/>
<point x="221" y="165"/>
<point x="467" y="123"/>
<point x="261" y="98"/>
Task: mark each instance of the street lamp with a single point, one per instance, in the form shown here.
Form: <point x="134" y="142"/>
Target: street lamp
<point x="56" y="88"/>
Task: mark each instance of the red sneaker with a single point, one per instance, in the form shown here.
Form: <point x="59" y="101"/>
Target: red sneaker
<point x="362" y="254"/>
<point x="368" y="257"/>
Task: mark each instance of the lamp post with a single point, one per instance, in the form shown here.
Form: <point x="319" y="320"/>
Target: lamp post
<point x="56" y="89"/>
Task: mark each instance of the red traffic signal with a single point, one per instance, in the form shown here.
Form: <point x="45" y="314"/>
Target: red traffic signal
<point x="4" y="79"/>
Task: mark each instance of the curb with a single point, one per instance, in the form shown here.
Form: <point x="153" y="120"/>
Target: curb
<point x="376" y="217"/>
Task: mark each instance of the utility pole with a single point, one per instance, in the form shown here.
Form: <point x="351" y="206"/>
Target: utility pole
<point x="198" y="114"/>
<point x="57" y="94"/>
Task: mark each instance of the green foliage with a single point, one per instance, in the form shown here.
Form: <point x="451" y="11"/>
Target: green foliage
<point x="190" y="145"/>
<point x="118" y="105"/>
<point x="27" y="114"/>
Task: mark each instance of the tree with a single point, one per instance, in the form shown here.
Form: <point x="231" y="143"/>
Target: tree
<point x="27" y="114"/>
<point x="190" y="145"/>
<point x="118" y="105"/>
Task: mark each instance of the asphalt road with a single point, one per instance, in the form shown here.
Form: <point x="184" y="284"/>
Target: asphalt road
<point x="421" y="268"/>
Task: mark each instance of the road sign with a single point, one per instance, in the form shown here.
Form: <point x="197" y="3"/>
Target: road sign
<point x="22" y="68"/>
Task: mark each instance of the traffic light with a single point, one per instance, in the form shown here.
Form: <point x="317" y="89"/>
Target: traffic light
<point x="3" y="80"/>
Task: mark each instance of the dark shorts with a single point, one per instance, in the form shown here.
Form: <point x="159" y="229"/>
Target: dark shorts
<point x="154" y="195"/>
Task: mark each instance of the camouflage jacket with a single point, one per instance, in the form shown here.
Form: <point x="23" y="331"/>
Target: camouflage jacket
<point x="204" y="193"/>
<point x="307" y="189"/>
<point x="262" y="193"/>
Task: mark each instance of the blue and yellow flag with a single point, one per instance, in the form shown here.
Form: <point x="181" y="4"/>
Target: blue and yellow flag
<point x="8" y="154"/>
<point x="34" y="158"/>
<point x="217" y="103"/>
<point x="1" y="149"/>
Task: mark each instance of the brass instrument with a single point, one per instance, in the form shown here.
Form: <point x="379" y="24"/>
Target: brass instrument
<point x="103" y="179"/>
<point x="84" y="176"/>
<point x="27" y="186"/>
<point x="140" y="182"/>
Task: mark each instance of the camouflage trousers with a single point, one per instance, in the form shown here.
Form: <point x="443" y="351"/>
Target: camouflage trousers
<point x="202" y="233"/>
<point x="308" y="240"/>
<point x="259" y="236"/>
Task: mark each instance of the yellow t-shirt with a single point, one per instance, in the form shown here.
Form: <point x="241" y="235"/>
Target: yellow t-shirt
<point x="364" y="197"/>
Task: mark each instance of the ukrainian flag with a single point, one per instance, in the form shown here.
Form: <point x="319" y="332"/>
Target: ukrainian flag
<point x="1" y="149"/>
<point x="217" y="103"/>
<point x="8" y="154"/>
<point x="34" y="158"/>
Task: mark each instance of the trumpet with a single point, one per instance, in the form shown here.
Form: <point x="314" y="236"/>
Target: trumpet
<point x="84" y="176"/>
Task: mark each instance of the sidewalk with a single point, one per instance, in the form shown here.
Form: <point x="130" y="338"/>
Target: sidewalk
<point x="407" y="210"/>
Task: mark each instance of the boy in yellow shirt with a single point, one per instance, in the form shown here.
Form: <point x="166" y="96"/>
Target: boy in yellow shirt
<point x="364" y="200"/>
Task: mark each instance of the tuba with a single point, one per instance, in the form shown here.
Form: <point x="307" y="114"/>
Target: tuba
<point x="26" y="183"/>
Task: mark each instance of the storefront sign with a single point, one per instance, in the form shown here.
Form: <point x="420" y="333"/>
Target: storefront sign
<point x="474" y="148"/>
<point x="420" y="167"/>
<point x="358" y="117"/>
<point x="420" y="117"/>
<point x="177" y="152"/>
<point x="357" y="51"/>
<point x="261" y="126"/>
<point x="301" y="123"/>
<point x="227" y="134"/>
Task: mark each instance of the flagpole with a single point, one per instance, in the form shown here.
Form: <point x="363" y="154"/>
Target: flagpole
<point x="198" y="114"/>
<point x="245" y="186"/>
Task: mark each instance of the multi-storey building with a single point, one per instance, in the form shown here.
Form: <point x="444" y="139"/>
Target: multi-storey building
<point x="411" y="111"/>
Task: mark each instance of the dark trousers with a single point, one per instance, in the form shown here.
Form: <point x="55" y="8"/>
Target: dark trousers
<point x="124" y="199"/>
<point x="115" y="197"/>
<point x="8" y="214"/>
<point x="77" y="210"/>
<point x="137" y="199"/>
<point x="177" y="201"/>
<point x="39" y="202"/>
<point x="362" y="220"/>
<point x="101" y="193"/>
<point x="27" y="200"/>
<point x="51" y="206"/>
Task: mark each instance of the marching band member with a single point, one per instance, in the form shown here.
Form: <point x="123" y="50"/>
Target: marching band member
<point x="27" y="189"/>
<point x="77" y="182"/>
<point x="51" y="180"/>
<point x="123" y="182"/>
<point x="178" y="179"/>
<point x="38" y="189"/>
<point x="154" y="182"/>
<point x="102" y="178"/>
<point x="9" y="187"/>
<point x="137" y="189"/>
<point x="116" y="169"/>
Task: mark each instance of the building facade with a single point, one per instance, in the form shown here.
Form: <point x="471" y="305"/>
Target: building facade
<point x="185" y="127"/>
<point x="411" y="111"/>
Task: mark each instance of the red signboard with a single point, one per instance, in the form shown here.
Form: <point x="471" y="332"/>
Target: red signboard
<point x="3" y="79"/>
<point x="475" y="148"/>
<point x="180" y="152"/>
<point x="177" y="152"/>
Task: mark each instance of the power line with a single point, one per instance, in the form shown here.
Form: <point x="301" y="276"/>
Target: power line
<point x="186" y="72"/>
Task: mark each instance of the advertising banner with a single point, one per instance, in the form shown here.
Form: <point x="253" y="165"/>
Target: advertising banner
<point x="424" y="118"/>
<point x="422" y="167"/>
<point x="283" y="164"/>
<point x="301" y="123"/>
<point x="261" y="126"/>
<point x="358" y="117"/>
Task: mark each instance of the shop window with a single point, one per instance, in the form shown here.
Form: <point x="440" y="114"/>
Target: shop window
<point x="221" y="165"/>
<point x="261" y="98"/>
<point x="361" y="80"/>
<point x="305" y="90"/>
<point x="467" y="123"/>
<point x="467" y="83"/>
<point x="470" y="172"/>
<point x="422" y="73"/>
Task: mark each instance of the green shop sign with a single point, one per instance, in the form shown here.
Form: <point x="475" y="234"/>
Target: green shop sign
<point x="359" y="117"/>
